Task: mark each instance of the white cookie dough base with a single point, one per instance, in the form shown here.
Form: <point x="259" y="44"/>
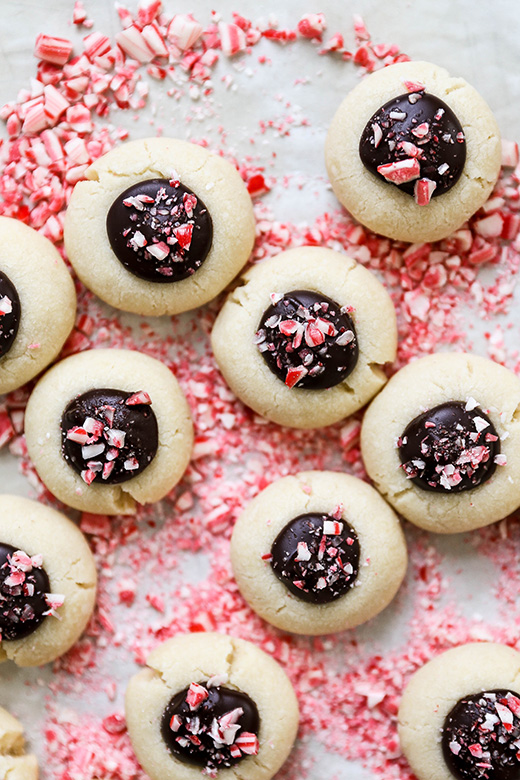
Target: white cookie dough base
<point x="436" y="688"/>
<point x="421" y="385"/>
<point x="47" y="300"/>
<point x="348" y="284"/>
<point x="68" y="561"/>
<point x="381" y="206"/>
<point x="188" y="658"/>
<point x="211" y="178"/>
<point x="116" y="369"/>
<point x="382" y="563"/>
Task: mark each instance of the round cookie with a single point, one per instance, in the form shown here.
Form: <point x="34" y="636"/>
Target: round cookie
<point x="108" y="428"/>
<point x="384" y="199"/>
<point x="207" y="679"/>
<point x="198" y="221"/>
<point x="289" y="572"/>
<point x="14" y="763"/>
<point x="328" y="323"/>
<point x="459" y="716"/>
<point x="37" y="303"/>
<point x="48" y="589"/>
<point x="458" y="466"/>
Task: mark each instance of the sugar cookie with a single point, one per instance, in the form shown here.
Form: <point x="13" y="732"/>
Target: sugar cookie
<point x="318" y="552"/>
<point x="460" y="715"/>
<point x="14" y="763"/>
<point x="160" y="226"/>
<point x="37" y="303"/>
<point x="412" y="153"/>
<point x="442" y="442"/>
<point x="209" y="703"/>
<point x="106" y="428"/>
<point x="47" y="582"/>
<point x="304" y="337"/>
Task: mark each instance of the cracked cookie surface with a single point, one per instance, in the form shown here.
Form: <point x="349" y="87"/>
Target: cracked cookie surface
<point x="199" y="663"/>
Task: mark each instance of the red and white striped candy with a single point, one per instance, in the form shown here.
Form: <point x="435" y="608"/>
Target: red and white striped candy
<point x="134" y="44"/>
<point x="184" y="31"/>
<point x="232" y="38"/>
<point x="303" y="552"/>
<point x="6" y="429"/>
<point x="175" y="723"/>
<point x="93" y="426"/>
<point x="79" y="118"/>
<point x="115" y="438"/>
<point x="54" y="601"/>
<point x="294" y="375"/>
<point x="423" y="191"/>
<point x="332" y="527"/>
<point x="509" y="153"/>
<point x="248" y="743"/>
<point x="421" y="131"/>
<point x="155" y="41"/>
<point x="312" y="25"/>
<point x="107" y="469"/>
<point x="52" y="49"/>
<point x="313" y="336"/>
<point x="78" y="435"/>
<point x="35" y="119"/>
<point x="160" y="250"/>
<point x="414" y="86"/>
<point x="490" y="227"/>
<point x="400" y="172"/>
<point x="55" y="103"/>
<point x="141" y="397"/>
<point x="195" y="696"/>
<point x="183" y="235"/>
<point x="76" y="151"/>
<point x="96" y="45"/>
<point x="88" y="476"/>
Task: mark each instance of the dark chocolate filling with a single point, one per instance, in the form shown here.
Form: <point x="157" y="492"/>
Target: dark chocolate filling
<point x="160" y="230"/>
<point x="10" y="314"/>
<point x="449" y="448"/>
<point x="307" y="340"/>
<point x="200" y="734"/>
<point x="417" y="126"/>
<point x="316" y="557"/>
<point x="23" y="601"/>
<point x="109" y="435"/>
<point x="481" y="736"/>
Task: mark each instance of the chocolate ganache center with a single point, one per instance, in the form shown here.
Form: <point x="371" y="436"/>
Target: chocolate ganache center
<point x="481" y="736"/>
<point x="450" y="448"/>
<point x="109" y="435"/>
<point x="316" y="557"/>
<point x="160" y="230"/>
<point x="415" y="142"/>
<point x="307" y="340"/>
<point x="10" y="314"/>
<point x="24" y="587"/>
<point x="211" y="726"/>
